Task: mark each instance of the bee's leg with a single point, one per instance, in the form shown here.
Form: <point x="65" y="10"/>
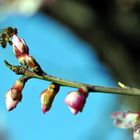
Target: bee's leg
<point x="3" y="43"/>
<point x="10" y="42"/>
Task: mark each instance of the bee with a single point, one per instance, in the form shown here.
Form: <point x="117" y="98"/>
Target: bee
<point x="5" y="36"/>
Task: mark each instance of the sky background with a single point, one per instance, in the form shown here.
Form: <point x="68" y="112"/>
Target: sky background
<point x="61" y="53"/>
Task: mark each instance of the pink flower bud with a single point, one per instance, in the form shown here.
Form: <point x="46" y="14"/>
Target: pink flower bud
<point x="10" y="103"/>
<point x="14" y="95"/>
<point x="76" y="100"/>
<point x="19" y="46"/>
<point x="47" y="96"/>
<point x="21" y="52"/>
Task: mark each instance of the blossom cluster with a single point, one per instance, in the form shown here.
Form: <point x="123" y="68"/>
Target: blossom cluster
<point x="75" y="99"/>
<point x="127" y="120"/>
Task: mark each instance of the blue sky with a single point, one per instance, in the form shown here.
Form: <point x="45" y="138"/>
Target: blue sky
<point x="61" y="53"/>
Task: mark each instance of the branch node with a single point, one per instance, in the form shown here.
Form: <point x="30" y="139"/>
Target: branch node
<point x="17" y="69"/>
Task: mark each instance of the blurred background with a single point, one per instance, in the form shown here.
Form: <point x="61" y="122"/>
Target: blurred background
<point x="94" y="42"/>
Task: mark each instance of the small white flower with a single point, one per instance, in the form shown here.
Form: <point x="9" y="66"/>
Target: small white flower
<point x="128" y="120"/>
<point x="136" y="132"/>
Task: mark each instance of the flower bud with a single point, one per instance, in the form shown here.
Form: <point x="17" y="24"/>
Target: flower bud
<point x="76" y="100"/>
<point x="20" y="49"/>
<point x="21" y="52"/>
<point x="19" y="46"/>
<point x="33" y="65"/>
<point x="10" y="103"/>
<point x="48" y="95"/>
<point x="14" y="95"/>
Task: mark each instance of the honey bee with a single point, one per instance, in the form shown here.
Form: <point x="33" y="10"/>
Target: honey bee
<point x="5" y="36"/>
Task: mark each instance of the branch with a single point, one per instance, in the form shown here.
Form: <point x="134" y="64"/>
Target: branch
<point x="22" y="70"/>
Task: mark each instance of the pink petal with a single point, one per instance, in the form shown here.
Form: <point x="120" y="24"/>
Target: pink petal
<point x="10" y="103"/>
<point x="44" y="110"/>
<point x="75" y="101"/>
<point x="116" y="115"/>
<point x="19" y="45"/>
<point x="16" y="40"/>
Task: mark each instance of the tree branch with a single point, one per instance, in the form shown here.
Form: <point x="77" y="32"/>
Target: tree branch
<point x="22" y="70"/>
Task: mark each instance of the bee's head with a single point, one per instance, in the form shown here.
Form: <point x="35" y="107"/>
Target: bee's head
<point x="10" y="31"/>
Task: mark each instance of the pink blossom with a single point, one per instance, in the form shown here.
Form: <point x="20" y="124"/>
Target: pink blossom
<point x="76" y="100"/>
<point x="14" y="95"/>
<point x="21" y="52"/>
<point x="128" y="120"/>
<point x="10" y="103"/>
<point x="19" y="46"/>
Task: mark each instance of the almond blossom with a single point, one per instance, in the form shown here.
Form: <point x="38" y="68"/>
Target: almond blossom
<point x="21" y="52"/>
<point x="10" y="103"/>
<point x="20" y="49"/>
<point x="14" y="95"/>
<point x="128" y="120"/>
<point x="20" y="44"/>
<point x="76" y="100"/>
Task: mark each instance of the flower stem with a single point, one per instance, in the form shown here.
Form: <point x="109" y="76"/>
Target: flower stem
<point x="21" y="70"/>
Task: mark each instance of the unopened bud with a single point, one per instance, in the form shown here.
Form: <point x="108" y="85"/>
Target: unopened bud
<point x="76" y="100"/>
<point x="48" y="95"/>
<point x="14" y="95"/>
<point x="19" y="46"/>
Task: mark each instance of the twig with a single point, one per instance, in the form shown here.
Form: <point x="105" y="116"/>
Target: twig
<point x="22" y="70"/>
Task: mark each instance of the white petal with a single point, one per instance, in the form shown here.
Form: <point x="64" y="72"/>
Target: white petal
<point x="136" y="134"/>
<point x="74" y="111"/>
<point x="125" y="120"/>
<point x="10" y="103"/>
